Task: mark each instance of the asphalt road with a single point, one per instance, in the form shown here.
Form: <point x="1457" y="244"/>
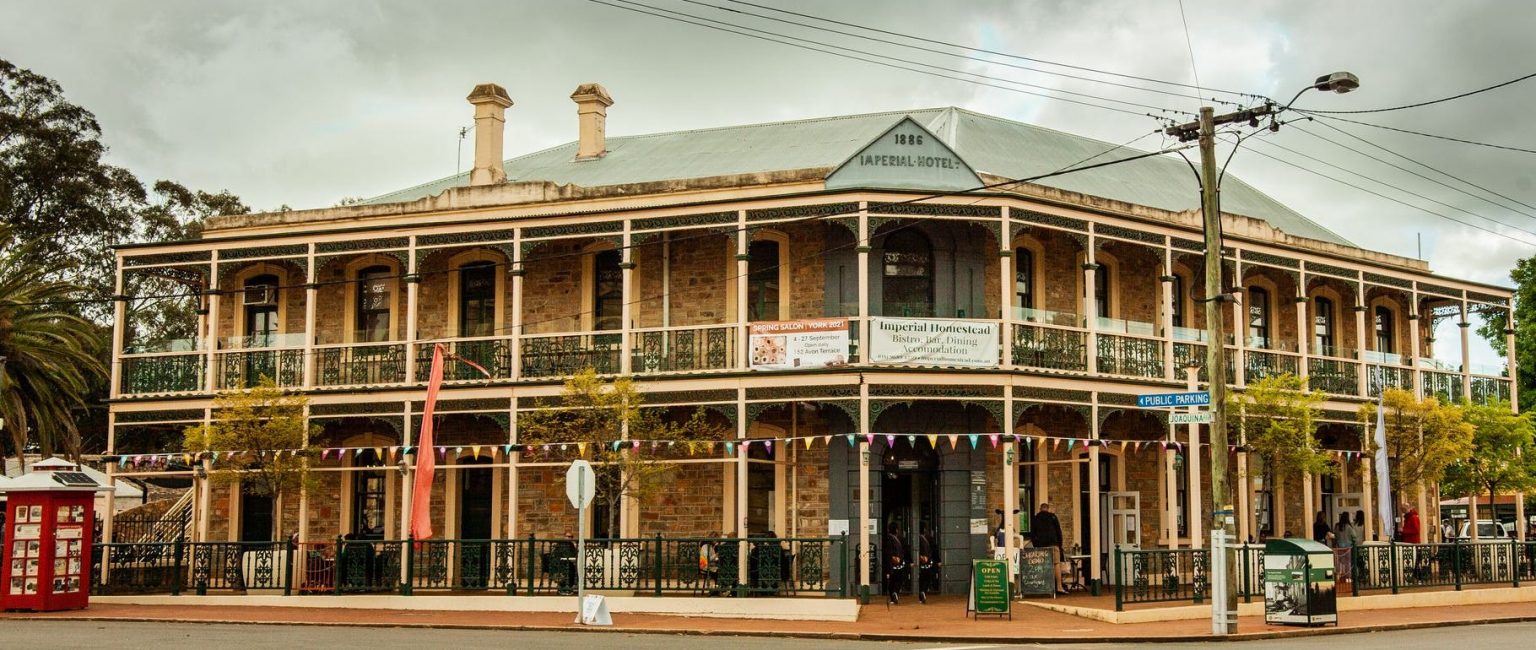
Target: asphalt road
<point x="171" y="636"/>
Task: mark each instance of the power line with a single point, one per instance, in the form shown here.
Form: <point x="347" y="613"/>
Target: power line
<point x="993" y="52"/>
<point x="1418" y="133"/>
<point x="1421" y="164"/>
<point x="842" y="52"/>
<point x="1432" y="101"/>
<point x="953" y="54"/>
<point x="1427" y="166"/>
<point x="1400" y="189"/>
<point x="1389" y="198"/>
<point x="1189" y="43"/>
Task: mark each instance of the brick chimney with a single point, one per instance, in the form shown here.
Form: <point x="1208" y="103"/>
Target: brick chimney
<point x="592" y="102"/>
<point x="490" y="102"/>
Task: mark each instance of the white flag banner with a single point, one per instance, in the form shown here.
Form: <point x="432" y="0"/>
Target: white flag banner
<point x="934" y="342"/>
<point x="1384" y="503"/>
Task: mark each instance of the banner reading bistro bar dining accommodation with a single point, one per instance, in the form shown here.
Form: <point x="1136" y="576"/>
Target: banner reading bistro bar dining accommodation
<point x="792" y="344"/>
<point x="933" y="342"/>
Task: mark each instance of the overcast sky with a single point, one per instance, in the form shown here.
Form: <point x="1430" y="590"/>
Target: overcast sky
<point x="304" y="103"/>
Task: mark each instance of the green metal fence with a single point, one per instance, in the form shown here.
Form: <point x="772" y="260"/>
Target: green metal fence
<point x="1181" y="575"/>
<point x="530" y="566"/>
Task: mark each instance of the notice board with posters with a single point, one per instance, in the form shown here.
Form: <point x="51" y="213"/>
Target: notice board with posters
<point x="989" y="589"/>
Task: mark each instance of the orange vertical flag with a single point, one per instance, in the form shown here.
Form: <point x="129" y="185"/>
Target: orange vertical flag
<point x="426" y="460"/>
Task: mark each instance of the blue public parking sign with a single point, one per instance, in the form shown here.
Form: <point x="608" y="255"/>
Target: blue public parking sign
<point x="1164" y="400"/>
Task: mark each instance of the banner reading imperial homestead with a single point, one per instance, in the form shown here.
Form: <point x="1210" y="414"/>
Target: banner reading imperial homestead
<point x="784" y="345"/>
<point x="933" y="342"/>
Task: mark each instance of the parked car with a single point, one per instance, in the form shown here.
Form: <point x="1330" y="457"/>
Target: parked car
<point x="1486" y="530"/>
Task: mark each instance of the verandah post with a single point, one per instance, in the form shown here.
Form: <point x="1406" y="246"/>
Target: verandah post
<point x="410" y="564"/>
<point x="1119" y="582"/>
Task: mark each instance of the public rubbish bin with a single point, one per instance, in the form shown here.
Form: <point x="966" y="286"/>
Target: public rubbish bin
<point x="1299" y="583"/>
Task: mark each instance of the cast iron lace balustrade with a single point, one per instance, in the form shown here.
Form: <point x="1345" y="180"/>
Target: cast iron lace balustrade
<point x="1049" y="348"/>
<point x="495" y="355"/>
<point x="1262" y="363"/>
<point x="360" y="365"/>
<point x="684" y="350"/>
<point x="161" y="374"/>
<point x="564" y="355"/>
<point x="1334" y="376"/>
<point x="1125" y="355"/>
<point x="245" y="368"/>
<point x="1443" y="384"/>
<point x="1380" y="378"/>
<point x="1486" y="390"/>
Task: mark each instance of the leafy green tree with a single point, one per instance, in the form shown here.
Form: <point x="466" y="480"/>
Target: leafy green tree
<point x="1497" y="321"/>
<point x="47" y="354"/>
<point x="1279" y="426"/>
<point x="596" y="414"/>
<point x="1503" y="456"/>
<point x="265" y="427"/>
<point x="1424" y="438"/>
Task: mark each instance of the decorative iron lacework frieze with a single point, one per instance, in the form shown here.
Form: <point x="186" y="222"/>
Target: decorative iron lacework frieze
<point x="1425" y="287"/>
<point x="1388" y="281"/>
<point x="802" y="211"/>
<point x="1127" y="233"/>
<point x="484" y="404"/>
<point x="936" y="209"/>
<point x="934" y="391"/>
<point x="352" y="245"/>
<point x="370" y="408"/>
<point x="177" y="415"/>
<point x="1050" y="220"/>
<point x="1329" y="269"/>
<point x="574" y="229"/>
<point x="1487" y="298"/>
<point x="1340" y="416"/>
<point x="168" y="258"/>
<point x="788" y="393"/>
<point x="685" y="221"/>
<point x="286" y="250"/>
<point x="1051" y="394"/>
<point x="1118" y="399"/>
<point x="1192" y="245"/>
<point x="1020" y="407"/>
<point x="1272" y="260"/>
<point x="691" y="396"/>
<point x="466" y="237"/>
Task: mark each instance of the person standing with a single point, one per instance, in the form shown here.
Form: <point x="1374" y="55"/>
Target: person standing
<point x="895" y="563"/>
<point x="1321" y="533"/>
<point x="1411" y="532"/>
<point x="1344" y="539"/>
<point x="927" y="566"/>
<point x="1045" y="532"/>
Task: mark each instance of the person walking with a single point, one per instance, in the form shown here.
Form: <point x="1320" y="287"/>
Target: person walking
<point x="928" y="564"/>
<point x="895" y="563"/>
<point x="1045" y="532"/>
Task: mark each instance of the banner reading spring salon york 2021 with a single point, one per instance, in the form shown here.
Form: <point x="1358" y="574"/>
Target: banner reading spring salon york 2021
<point x="933" y="342"/>
<point x="788" y="345"/>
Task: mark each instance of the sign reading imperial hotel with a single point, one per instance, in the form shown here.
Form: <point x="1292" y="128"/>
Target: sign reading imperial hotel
<point x="964" y="352"/>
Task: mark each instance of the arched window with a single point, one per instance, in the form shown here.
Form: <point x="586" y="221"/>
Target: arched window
<point x="1386" y="330"/>
<point x="477" y="299"/>
<point x="368" y="496"/>
<point x="763" y="280"/>
<point x="373" y="309"/>
<point x="907" y="289"/>
<point x="260" y="306"/>
<point x="1322" y="326"/>
<point x="1258" y="317"/>
<point x="607" y="290"/>
<point x="1024" y="277"/>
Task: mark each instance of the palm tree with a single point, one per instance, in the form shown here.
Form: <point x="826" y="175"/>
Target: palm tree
<point x="46" y="353"/>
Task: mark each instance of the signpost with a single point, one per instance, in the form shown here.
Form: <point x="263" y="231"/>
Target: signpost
<point x="1196" y="417"/>
<point x="989" y="589"/>
<point x="580" y="487"/>
<point x="1166" y="400"/>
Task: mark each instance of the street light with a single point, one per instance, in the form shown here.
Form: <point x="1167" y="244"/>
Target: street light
<point x="1224" y="615"/>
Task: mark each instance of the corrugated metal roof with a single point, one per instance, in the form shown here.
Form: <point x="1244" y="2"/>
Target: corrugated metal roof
<point x="989" y="144"/>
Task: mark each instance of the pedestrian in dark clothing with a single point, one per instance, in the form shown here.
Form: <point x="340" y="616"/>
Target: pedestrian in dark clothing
<point x="1045" y="532"/>
<point x="1321" y="531"/>
<point x="927" y="566"/>
<point x="895" y="563"/>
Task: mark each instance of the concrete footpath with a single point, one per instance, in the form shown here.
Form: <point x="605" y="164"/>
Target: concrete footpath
<point x="943" y="619"/>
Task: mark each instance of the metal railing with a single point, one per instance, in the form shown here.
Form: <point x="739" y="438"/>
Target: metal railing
<point x="357" y="365"/>
<point x="529" y="566"/>
<point x="1182" y="575"/>
<point x="568" y="354"/>
<point x="691" y="349"/>
<point x="1130" y="356"/>
<point x="245" y="368"/>
<point x="1444" y="385"/>
<point x="1049" y="348"/>
<point x="494" y="355"/>
<point x="162" y="373"/>
<point x="1380" y="378"/>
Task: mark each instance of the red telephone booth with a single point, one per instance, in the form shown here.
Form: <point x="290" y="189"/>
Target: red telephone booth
<point x="48" y="526"/>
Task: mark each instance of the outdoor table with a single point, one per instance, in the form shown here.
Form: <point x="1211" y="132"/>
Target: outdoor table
<point x="1079" y="580"/>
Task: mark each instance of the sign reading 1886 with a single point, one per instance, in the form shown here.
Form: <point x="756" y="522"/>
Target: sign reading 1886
<point x="906" y="156"/>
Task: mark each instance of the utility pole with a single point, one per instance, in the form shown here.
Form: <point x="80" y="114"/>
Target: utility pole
<point x="1217" y="294"/>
